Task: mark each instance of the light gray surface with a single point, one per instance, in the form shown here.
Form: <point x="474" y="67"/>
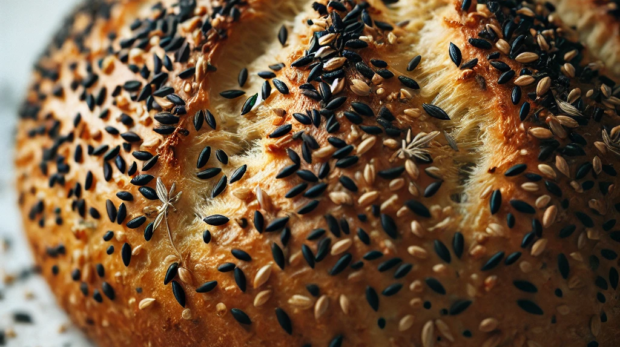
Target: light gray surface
<point x="25" y="28"/>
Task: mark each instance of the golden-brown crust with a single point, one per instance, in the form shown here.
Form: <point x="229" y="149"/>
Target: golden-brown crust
<point x="447" y="248"/>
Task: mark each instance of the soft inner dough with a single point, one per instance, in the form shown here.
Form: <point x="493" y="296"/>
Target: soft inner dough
<point x="453" y="214"/>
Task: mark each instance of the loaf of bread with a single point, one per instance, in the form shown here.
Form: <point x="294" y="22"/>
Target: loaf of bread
<point x="328" y="173"/>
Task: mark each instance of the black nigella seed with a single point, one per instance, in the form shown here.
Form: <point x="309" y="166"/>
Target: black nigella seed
<point x="240" y="279"/>
<point x="470" y="64"/>
<point x="332" y="223"/>
<point x="372" y="255"/>
<point x="442" y="251"/>
<point x="216" y="219"/>
<point x="435" y="112"/>
<point x="512" y="258"/>
<point x="355" y="44"/>
<point x="266" y="74"/>
<point x="613" y="278"/>
<point x="458" y="244"/>
<point x="413" y="63"/>
<point x="111" y="210"/>
<point x="221" y="156"/>
<point x="584" y="219"/>
<point x="164" y="130"/>
<point x="391" y="173"/>
<point x="266" y="90"/>
<point x="282" y="35"/>
<point x="309" y="207"/>
<point x="108" y="236"/>
<point x="281" y="131"/>
<point x="432" y="189"/>
<point x="219" y="187"/>
<point x="480" y="43"/>
<point x="308" y="255"/>
<point x="277" y="224"/>
<point x="148" y="232"/>
<point x="249" y="104"/>
<point x="198" y="120"/>
<point x="408" y="82"/>
<point x="601" y="283"/>
<point x="515" y="170"/>
<point x="97" y="296"/>
<point x="493" y="261"/>
<point x="341" y="264"/>
<point x="166" y="118"/>
<point x="308" y="176"/>
<point x="171" y="273"/>
<point x="418" y="208"/>
<point x="389" y="226"/>
<point x="459" y="307"/>
<point x="226" y="267"/>
<point x="378" y="63"/>
<point x="515" y="97"/>
<point x="388" y="264"/>
<point x="316" y="191"/>
<point x="525" y="286"/>
<point x="337" y="341"/>
<point x="243" y="77"/>
<point x="455" y="54"/>
<point x="126" y="254"/>
<point x="179" y="293"/>
<point x="210" y="119"/>
<point x="238" y="174"/>
<point x="362" y="109"/>
<point x="530" y="307"/>
<point x="141" y="180"/>
<point x="209" y="173"/>
<point x="241" y="254"/>
<point x="298" y="189"/>
<point x="280" y="86"/>
<point x="435" y="285"/>
<point x="363" y="236"/>
<point x="240" y="316"/>
<point x="500" y="65"/>
<point x="524" y="111"/>
<point x="522" y="206"/>
<point x="148" y="193"/>
<point x="392" y="289"/>
<point x="402" y="271"/>
<point x="510" y="220"/>
<point x="206" y="287"/>
<point x="506" y="77"/>
<point x="125" y="196"/>
<point x="136" y="222"/>
<point x="232" y="94"/>
<point x="204" y="156"/>
<point x="372" y="298"/>
<point x="348" y="183"/>
<point x="206" y="236"/>
<point x="284" y="320"/>
<point x="278" y="255"/>
<point x="496" y="201"/>
<point x="259" y="221"/>
<point x="386" y="74"/>
<point x="347" y="161"/>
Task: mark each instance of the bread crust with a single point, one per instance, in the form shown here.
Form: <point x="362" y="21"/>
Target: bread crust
<point x="456" y="216"/>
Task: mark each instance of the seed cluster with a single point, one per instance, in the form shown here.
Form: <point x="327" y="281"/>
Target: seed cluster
<point x="365" y="202"/>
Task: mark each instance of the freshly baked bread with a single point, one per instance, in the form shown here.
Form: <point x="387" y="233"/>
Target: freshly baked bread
<point x="342" y="173"/>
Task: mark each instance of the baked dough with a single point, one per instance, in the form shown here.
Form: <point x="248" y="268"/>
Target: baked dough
<point x="342" y="173"/>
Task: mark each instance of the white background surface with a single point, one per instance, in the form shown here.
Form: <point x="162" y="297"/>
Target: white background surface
<point x="25" y="28"/>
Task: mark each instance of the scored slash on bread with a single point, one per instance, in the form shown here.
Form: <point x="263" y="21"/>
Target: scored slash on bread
<point x="396" y="173"/>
